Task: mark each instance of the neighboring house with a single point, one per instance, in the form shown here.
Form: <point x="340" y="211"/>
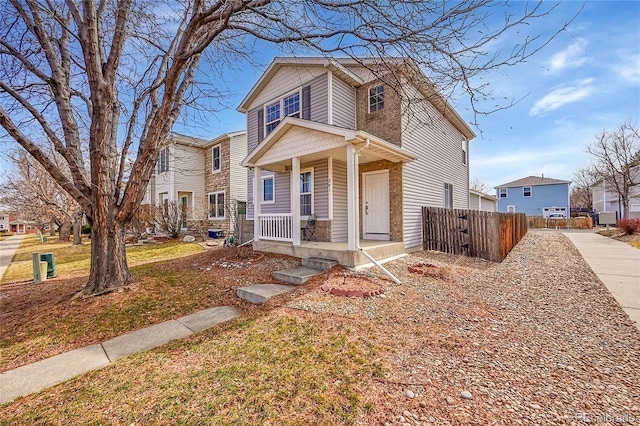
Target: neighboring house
<point x="535" y="196"/>
<point x="327" y="137"/>
<point x="605" y="199"/>
<point x="483" y="202"/>
<point x="11" y="222"/>
<point x="4" y="221"/>
<point x="204" y="177"/>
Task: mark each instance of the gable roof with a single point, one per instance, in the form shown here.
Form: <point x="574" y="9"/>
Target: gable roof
<point x="357" y="137"/>
<point x="533" y="181"/>
<point x="339" y="66"/>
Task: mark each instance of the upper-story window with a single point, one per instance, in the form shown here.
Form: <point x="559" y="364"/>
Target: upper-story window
<point x="215" y="159"/>
<point x="526" y="191"/>
<point x="287" y="106"/>
<point x="464" y="152"/>
<point x="502" y="193"/>
<point x="163" y="160"/>
<point x="376" y="98"/>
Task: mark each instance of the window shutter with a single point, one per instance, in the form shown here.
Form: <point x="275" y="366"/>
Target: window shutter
<point x="260" y="125"/>
<point x="306" y="102"/>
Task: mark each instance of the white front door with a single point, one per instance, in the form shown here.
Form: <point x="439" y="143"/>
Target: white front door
<point x="375" y="205"/>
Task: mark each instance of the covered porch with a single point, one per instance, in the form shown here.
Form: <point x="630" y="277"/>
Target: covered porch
<point x="294" y="147"/>
<point x="337" y="251"/>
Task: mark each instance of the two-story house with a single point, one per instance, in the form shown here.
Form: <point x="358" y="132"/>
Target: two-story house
<point x="358" y="148"/>
<point x="204" y="177"/>
<point x="535" y="196"/>
<point x="4" y="221"/>
<point x="606" y="199"/>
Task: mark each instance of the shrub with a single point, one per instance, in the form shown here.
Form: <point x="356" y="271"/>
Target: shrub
<point x="629" y="226"/>
<point x="86" y="229"/>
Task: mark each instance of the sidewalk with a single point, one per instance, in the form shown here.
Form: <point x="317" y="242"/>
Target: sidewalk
<point x="49" y="372"/>
<point x="617" y="264"/>
<point x="8" y="249"/>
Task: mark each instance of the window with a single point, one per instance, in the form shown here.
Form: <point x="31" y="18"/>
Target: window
<point x="448" y="196"/>
<point x="526" y="191"/>
<point x="216" y="205"/>
<point x="268" y="187"/>
<point x="376" y="98"/>
<point x="502" y="193"/>
<point x="306" y="192"/>
<point x="163" y="160"/>
<point x="287" y="106"/>
<point x="215" y="159"/>
<point x="464" y="153"/>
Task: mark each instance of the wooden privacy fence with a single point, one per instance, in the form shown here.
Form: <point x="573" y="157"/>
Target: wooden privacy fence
<point x="474" y="233"/>
<point x="560" y="223"/>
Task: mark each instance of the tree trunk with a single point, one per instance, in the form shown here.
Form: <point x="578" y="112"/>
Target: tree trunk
<point x="65" y="230"/>
<point x="109" y="268"/>
<point x="77" y="230"/>
<point x="52" y="229"/>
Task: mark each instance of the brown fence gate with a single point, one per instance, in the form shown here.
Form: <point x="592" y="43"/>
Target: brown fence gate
<point x="488" y="235"/>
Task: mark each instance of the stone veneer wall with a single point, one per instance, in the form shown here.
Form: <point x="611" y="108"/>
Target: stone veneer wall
<point x="395" y="195"/>
<point x="219" y="181"/>
<point x="387" y="123"/>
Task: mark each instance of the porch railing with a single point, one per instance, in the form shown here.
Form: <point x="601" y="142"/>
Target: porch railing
<point x="276" y="227"/>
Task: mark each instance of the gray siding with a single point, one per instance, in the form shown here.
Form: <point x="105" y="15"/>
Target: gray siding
<point x="438" y="144"/>
<point x="319" y="99"/>
<point x="339" y="226"/>
<point x="282" y="194"/>
<point x="344" y="104"/>
<point x="252" y="128"/>
<point x="320" y="187"/>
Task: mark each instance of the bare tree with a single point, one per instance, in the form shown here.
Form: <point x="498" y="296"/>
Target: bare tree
<point x="199" y="217"/>
<point x="582" y="188"/>
<point x="616" y="160"/>
<point x="111" y="77"/>
<point x="169" y="217"/>
<point x="478" y="185"/>
<point x="30" y="190"/>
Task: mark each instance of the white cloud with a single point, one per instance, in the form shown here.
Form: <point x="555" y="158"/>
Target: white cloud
<point x="629" y="69"/>
<point x="572" y="57"/>
<point x="563" y="95"/>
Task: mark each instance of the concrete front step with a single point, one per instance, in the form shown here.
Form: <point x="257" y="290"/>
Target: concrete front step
<point x="296" y="276"/>
<point x="319" y="263"/>
<point x="259" y="293"/>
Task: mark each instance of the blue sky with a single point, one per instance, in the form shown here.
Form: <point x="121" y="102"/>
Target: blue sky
<point x="586" y="80"/>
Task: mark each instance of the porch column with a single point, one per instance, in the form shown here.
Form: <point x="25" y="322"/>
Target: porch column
<point x="257" y="203"/>
<point x="352" y="193"/>
<point x="295" y="200"/>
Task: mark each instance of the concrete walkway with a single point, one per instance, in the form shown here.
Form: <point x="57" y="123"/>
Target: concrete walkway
<point x="8" y="249"/>
<point x="60" y="368"/>
<point x="617" y="264"/>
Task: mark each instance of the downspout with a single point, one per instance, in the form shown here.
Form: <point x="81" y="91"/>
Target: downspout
<point x="367" y="255"/>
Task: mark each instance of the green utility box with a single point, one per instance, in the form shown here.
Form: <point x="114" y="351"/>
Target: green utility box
<point x="51" y="264"/>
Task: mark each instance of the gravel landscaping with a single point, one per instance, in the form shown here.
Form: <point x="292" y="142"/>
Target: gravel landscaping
<point x="536" y="339"/>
